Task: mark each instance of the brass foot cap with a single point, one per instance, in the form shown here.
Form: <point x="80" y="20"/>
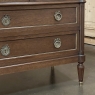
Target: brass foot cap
<point x="80" y="83"/>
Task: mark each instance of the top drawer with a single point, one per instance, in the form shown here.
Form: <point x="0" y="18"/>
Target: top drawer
<point x="19" y="18"/>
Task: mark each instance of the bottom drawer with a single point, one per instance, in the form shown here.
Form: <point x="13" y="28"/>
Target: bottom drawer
<point x="11" y="50"/>
<point x="37" y="45"/>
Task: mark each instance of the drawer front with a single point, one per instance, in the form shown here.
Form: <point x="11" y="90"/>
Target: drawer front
<point x="37" y="45"/>
<point x="38" y="17"/>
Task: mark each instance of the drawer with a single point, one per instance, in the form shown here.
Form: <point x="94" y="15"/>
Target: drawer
<point x="39" y="45"/>
<point x="19" y="18"/>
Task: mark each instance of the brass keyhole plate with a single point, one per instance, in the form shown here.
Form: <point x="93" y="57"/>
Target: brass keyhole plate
<point x="58" y="16"/>
<point x="5" y="50"/>
<point x="6" y="20"/>
<point x="57" y="43"/>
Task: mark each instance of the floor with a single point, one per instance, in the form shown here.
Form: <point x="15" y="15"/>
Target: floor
<point x="41" y="81"/>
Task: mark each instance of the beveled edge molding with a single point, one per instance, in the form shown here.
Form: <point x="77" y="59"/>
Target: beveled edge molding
<point x="39" y="3"/>
<point x="37" y="64"/>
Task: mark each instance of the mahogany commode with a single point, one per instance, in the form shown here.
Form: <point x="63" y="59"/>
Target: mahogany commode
<point x="41" y="33"/>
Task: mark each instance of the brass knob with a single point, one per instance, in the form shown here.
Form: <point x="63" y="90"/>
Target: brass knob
<point x="5" y="50"/>
<point x="6" y="20"/>
<point x="57" y="43"/>
<point x="58" y="16"/>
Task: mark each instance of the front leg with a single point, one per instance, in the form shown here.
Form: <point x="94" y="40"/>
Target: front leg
<point x="80" y="68"/>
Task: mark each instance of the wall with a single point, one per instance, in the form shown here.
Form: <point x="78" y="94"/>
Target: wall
<point x="90" y="18"/>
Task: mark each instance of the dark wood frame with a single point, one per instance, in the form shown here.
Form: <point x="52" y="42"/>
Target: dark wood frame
<point x="80" y="58"/>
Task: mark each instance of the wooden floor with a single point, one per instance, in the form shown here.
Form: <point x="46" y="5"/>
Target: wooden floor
<point x="63" y="82"/>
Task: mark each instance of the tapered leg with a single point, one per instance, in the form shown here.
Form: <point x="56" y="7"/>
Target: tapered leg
<point x="52" y="68"/>
<point x="52" y="77"/>
<point x="52" y="71"/>
<point x="80" y="68"/>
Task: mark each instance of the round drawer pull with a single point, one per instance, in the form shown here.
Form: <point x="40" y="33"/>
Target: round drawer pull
<point x="5" y="50"/>
<point x="57" y="43"/>
<point x="58" y="16"/>
<point x="6" y="20"/>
